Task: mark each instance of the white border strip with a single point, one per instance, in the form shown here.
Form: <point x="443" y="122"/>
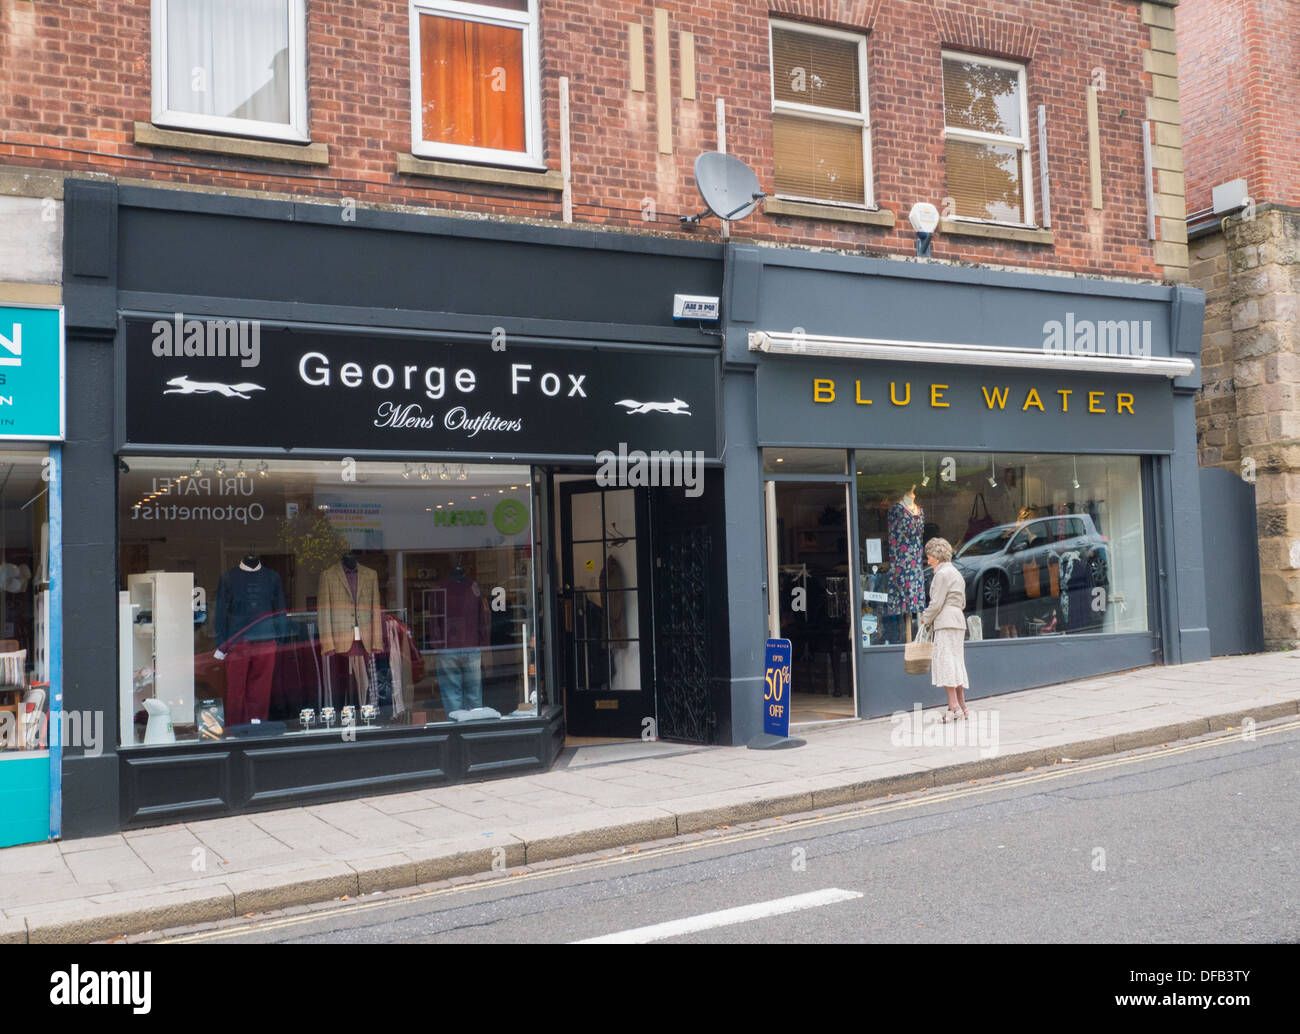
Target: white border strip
<point x="1042" y="167"/>
<point x="1147" y="163"/>
<point x="965" y="355"/>
<point x="727" y="917"/>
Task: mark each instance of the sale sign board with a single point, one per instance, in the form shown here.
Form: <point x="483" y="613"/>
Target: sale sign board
<point x="776" y="688"/>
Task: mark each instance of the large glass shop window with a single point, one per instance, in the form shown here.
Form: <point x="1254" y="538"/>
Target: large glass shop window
<point x="285" y="598"/>
<point x="24" y="601"/>
<point x="1047" y="544"/>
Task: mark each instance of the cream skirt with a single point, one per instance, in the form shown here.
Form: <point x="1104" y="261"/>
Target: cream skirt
<point x="947" y="659"/>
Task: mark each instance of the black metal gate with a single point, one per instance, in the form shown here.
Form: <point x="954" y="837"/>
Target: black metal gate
<point x="682" y="635"/>
<point x="1231" y="563"/>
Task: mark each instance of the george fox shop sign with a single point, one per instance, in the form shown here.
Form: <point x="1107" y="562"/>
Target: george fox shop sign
<point x="283" y="388"/>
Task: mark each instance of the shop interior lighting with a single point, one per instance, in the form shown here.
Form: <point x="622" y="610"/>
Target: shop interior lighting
<point x="925" y="478"/>
<point x="241" y="472"/>
<point x="220" y="468"/>
<point x="198" y="469"/>
<point x="406" y="472"/>
<point x="964" y="355"/>
<point x="993" y="482"/>
<point x="1075" y="482"/>
<point x="263" y="471"/>
<point x="443" y="473"/>
<point x="462" y="474"/>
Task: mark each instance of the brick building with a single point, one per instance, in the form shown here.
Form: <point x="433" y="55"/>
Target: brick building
<point x="644" y="84"/>
<point x="1240" y="105"/>
<point x="369" y="311"/>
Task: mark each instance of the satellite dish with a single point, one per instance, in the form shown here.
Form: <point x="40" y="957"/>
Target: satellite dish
<point x="728" y="186"/>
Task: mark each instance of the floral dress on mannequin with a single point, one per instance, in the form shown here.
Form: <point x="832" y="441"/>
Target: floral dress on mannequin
<point x="906" y="584"/>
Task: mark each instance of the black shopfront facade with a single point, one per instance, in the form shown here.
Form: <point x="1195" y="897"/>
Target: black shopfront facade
<point x="345" y="510"/>
<point x="1043" y="425"/>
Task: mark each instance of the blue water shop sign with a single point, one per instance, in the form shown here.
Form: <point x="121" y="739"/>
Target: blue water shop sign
<point x="776" y="688"/>
<point x="31" y="373"/>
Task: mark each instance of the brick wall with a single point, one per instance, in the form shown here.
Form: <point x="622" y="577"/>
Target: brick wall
<point x="76" y="78"/>
<point x="1241" y="97"/>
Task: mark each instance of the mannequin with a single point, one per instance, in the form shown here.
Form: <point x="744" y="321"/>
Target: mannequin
<point x="460" y="665"/>
<point x="351" y="623"/>
<point x="245" y="594"/>
<point x="906" y="584"/>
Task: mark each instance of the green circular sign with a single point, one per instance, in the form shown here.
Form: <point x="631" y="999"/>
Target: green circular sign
<point x="510" y="517"/>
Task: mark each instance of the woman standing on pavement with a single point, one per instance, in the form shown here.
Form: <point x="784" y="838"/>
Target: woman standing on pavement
<point x="946" y="614"/>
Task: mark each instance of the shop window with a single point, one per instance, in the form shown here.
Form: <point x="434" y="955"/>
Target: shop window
<point x="986" y="140"/>
<point x="231" y="66"/>
<point x="298" y="598"/>
<point x="821" y="136"/>
<point x="475" y="81"/>
<point x="1047" y="544"/>
<point x="24" y="602"/>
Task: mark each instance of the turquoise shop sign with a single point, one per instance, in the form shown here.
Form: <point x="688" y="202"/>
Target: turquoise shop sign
<point x="31" y="373"/>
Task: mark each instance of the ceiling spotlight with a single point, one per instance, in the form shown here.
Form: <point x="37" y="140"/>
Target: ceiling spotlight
<point x="1075" y="482"/>
<point x="425" y="472"/>
<point x="198" y="469"/>
<point x="220" y="468"/>
<point x="993" y="481"/>
<point x="263" y="471"/>
<point x="925" y="478"/>
<point x="462" y="473"/>
<point x="406" y="473"/>
<point x="443" y="473"/>
<point x="241" y="472"/>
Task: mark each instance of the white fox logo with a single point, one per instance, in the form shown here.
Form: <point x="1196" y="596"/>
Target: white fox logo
<point x="185" y="386"/>
<point x="677" y="407"/>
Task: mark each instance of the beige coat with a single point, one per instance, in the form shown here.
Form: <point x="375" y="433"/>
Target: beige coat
<point x="947" y="607"/>
<point x="337" y="611"/>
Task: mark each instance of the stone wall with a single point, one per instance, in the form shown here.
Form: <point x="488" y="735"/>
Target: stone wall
<point x="1248" y="416"/>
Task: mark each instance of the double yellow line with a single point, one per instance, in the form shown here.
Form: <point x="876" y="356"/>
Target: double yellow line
<point x="873" y="807"/>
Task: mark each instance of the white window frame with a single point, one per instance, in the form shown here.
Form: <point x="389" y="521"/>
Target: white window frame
<point x="531" y="156"/>
<point x="295" y="130"/>
<point x="813" y="111"/>
<point x="1020" y="142"/>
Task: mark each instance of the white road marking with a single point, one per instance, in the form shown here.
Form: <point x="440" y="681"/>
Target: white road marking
<point x="727" y="917"/>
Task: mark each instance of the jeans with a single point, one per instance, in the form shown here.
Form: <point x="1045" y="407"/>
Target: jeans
<point x="460" y="679"/>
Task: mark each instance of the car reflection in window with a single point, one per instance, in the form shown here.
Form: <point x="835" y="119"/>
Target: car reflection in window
<point x="1037" y="577"/>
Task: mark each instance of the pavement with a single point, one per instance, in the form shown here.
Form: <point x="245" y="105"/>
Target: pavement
<point x="598" y="797"/>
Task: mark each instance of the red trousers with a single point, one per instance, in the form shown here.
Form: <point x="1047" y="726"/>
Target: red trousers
<point x="250" y="670"/>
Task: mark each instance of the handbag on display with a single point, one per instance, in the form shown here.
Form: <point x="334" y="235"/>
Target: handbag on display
<point x="917" y="653"/>
<point x="977" y="524"/>
<point x="1032" y="589"/>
